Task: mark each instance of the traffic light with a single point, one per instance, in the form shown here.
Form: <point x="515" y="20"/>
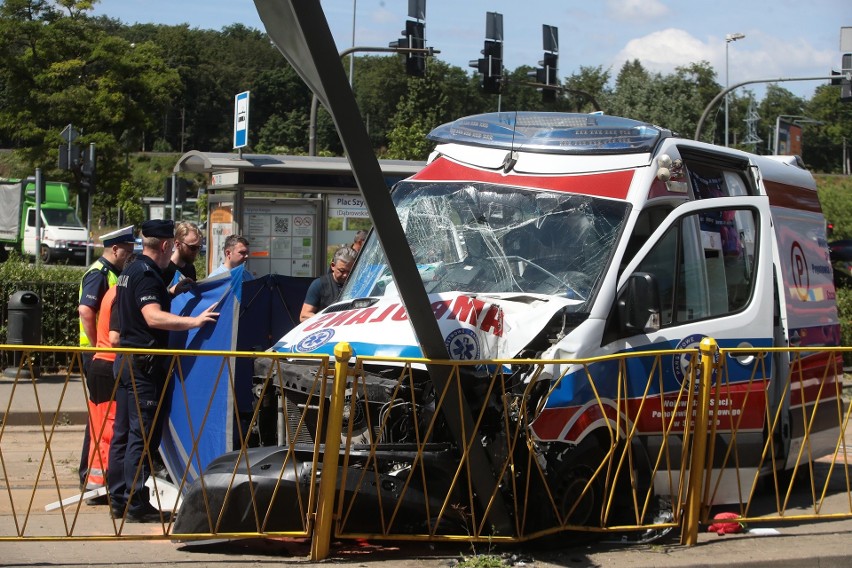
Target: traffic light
<point x="546" y="75"/>
<point x="88" y="173"/>
<point x="180" y="196"/>
<point x="490" y="66"/>
<point x="845" y="83"/>
<point x="415" y="63"/>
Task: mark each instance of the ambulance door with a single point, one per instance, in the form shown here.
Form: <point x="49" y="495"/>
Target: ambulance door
<point x="710" y="263"/>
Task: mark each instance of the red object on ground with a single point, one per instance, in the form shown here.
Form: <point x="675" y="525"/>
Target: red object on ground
<point x="725" y="527"/>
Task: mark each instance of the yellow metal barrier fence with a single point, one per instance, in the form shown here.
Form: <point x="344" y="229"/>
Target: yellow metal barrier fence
<point x="523" y="462"/>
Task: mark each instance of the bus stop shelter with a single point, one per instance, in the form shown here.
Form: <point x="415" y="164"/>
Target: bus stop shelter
<point x="292" y="209"/>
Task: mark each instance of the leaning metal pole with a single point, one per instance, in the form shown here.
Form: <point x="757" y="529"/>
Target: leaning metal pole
<point x="300" y="31"/>
<point x="724" y="92"/>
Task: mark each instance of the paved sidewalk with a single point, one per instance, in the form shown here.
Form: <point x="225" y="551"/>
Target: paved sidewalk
<point x="797" y="543"/>
<point x="56" y="396"/>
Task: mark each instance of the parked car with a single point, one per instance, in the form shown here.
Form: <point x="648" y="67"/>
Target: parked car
<point x="840" y="253"/>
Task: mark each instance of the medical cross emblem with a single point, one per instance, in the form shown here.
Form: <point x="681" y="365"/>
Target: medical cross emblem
<point x="462" y="344"/>
<point x="315" y="340"/>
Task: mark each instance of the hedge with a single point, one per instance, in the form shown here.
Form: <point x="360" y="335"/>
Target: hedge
<point x="58" y="289"/>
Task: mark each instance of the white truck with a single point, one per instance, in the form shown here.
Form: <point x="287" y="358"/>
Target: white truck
<point x="63" y="236"/>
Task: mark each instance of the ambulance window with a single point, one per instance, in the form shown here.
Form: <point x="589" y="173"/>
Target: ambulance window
<point x="663" y="262"/>
<point x="735" y="184"/>
<point x="647" y="222"/>
<point x="711" y="181"/>
<point x="704" y="265"/>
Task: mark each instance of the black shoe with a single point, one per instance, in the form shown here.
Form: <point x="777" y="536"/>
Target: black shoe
<point x="148" y="514"/>
<point x="99" y="500"/>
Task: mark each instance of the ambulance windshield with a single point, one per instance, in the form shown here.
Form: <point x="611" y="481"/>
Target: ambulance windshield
<point x="490" y="239"/>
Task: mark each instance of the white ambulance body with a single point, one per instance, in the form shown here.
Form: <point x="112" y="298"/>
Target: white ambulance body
<point x="560" y="236"/>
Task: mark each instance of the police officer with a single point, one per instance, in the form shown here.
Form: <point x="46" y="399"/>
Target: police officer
<point x="143" y="319"/>
<point x="98" y="278"/>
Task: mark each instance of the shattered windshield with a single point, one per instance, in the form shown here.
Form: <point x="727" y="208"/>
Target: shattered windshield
<point x="483" y="238"/>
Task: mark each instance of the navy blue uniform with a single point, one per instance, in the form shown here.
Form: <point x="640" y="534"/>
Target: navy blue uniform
<point x="141" y="284"/>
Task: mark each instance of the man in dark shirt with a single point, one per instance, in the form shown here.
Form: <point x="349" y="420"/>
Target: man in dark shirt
<point x="143" y="319"/>
<point x="182" y="263"/>
<point x="324" y="290"/>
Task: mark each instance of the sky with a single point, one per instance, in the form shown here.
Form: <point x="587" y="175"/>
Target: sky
<point x="783" y="38"/>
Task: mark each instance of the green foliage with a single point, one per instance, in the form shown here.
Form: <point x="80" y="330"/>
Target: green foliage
<point x="835" y="196"/>
<point x="824" y="143"/>
<point x="142" y="87"/>
<point x="482" y="561"/>
<point x="675" y="101"/>
<point x="58" y="290"/>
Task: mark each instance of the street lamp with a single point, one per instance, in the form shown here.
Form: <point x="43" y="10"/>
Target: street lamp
<point x="728" y="39"/>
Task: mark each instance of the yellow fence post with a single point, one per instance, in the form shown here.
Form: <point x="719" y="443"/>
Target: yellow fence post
<point x="692" y="513"/>
<point x="321" y="539"/>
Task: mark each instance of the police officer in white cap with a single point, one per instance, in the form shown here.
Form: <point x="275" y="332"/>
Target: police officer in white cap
<point x="98" y="278"/>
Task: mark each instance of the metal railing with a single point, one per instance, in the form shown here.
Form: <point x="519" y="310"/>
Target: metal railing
<point x="361" y="453"/>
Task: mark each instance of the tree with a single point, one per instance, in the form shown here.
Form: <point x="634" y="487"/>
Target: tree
<point x="823" y="144"/>
<point x="587" y="87"/>
<point x="281" y="108"/>
<point x="445" y="94"/>
<point x="58" y="69"/>
<point x="380" y="83"/>
<point x="418" y="112"/>
<point x="675" y="101"/>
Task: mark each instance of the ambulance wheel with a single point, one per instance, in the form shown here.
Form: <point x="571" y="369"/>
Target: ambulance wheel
<point x="4" y="254"/>
<point x="579" y="495"/>
<point x="45" y="255"/>
<point x="569" y="503"/>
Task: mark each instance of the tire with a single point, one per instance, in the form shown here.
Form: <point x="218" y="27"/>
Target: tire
<point x="574" y="476"/>
<point x="46" y="255"/>
<point x="575" y="469"/>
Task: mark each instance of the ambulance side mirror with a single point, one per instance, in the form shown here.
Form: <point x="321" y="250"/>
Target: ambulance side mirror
<point x="639" y="304"/>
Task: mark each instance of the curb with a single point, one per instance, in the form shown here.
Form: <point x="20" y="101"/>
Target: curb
<point x="34" y="418"/>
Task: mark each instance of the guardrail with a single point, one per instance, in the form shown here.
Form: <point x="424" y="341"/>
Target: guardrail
<point x="361" y="448"/>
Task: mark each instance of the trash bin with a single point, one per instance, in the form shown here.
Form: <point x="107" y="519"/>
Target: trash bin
<point x="23" y="327"/>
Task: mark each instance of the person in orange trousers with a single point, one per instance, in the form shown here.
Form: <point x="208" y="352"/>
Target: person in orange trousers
<point x="100" y="381"/>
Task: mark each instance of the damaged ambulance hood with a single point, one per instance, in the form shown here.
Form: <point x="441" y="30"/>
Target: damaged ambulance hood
<point x="473" y="326"/>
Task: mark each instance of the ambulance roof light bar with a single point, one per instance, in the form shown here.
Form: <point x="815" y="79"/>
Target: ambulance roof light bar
<point x="551" y="133"/>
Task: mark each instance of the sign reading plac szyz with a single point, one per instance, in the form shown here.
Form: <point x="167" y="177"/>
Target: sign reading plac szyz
<point x="241" y="119"/>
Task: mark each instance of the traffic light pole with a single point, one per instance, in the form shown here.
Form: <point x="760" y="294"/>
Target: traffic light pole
<point x="89" y="198"/>
<point x="727" y="90"/>
<point x="312" y="129"/>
